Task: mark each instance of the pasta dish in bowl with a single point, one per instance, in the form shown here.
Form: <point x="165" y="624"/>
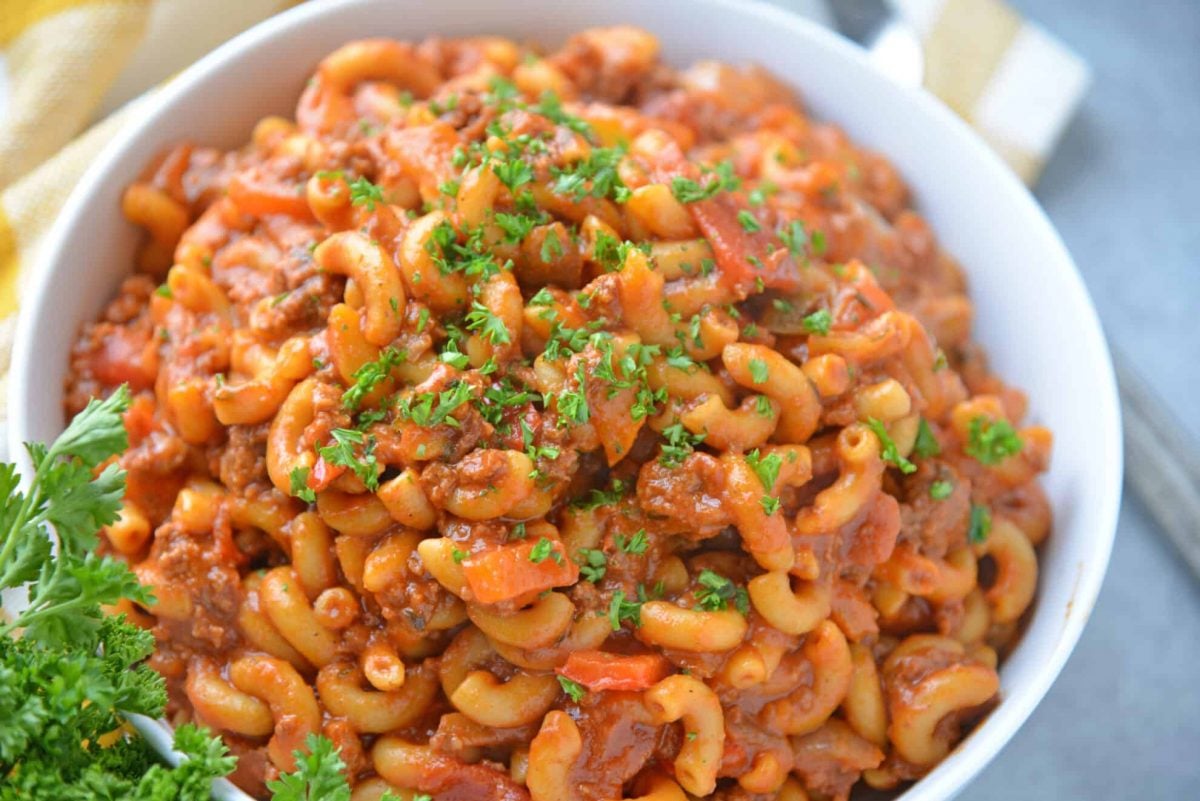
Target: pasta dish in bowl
<point x="563" y="425"/>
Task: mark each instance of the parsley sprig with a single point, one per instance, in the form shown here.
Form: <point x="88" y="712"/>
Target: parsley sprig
<point x="888" y="450"/>
<point x="991" y="441"/>
<point x="69" y="675"/>
<point x="716" y="592"/>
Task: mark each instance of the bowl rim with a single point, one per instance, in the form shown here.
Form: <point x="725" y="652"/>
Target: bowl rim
<point x="982" y="745"/>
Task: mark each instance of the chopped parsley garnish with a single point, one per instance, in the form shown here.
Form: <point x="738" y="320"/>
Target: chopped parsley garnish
<point x="758" y="196"/>
<point x="597" y="498"/>
<point x="596" y="175"/>
<point x="794" y="237"/>
<point x="621" y="610"/>
<point x="542" y="298"/>
<point x="765" y="467"/>
<point x="888" y="449"/>
<point x="365" y="193"/>
<point x="500" y="91"/>
<point x="686" y="190"/>
<point x="818" y="322"/>
<point x="515" y="226"/>
<point x="550" y="107"/>
<point x="452" y="356"/>
<point x="342" y="454"/>
<point x="551" y="248"/>
<point x="367" y="377"/>
<point x="981" y="523"/>
<point x="513" y="173"/>
<point x="532" y="450"/>
<point x="818" y="243"/>
<point x="429" y="409"/>
<point x="574" y="690"/>
<point x="592" y="564"/>
<point x="940" y="490"/>
<point x="926" y="443"/>
<point x="610" y="252"/>
<point x="680" y="442"/>
<point x="748" y="222"/>
<point x="572" y="404"/>
<point x="544" y="549"/>
<point x="636" y="544"/>
<point x="678" y="358"/>
<point x="458" y="556"/>
<point x="762" y="406"/>
<point x="299" y="485"/>
<point x="481" y="319"/>
<point x="758" y="371"/>
<point x="716" y="593"/>
<point x="991" y="441"/>
<point x="770" y="504"/>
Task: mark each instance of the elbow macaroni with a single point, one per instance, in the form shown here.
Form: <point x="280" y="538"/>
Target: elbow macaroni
<point x="483" y="419"/>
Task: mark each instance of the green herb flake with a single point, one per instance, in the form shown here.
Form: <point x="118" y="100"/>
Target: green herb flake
<point x="716" y="592"/>
<point x="574" y="690"/>
<point x="620" y="610"/>
<point x="365" y="193"/>
<point x="981" y="523"/>
<point x="636" y="544"/>
<point x="592" y="564"/>
<point x="299" y="485"/>
<point x="888" y="449"/>
<point x="991" y="441"/>
<point x="818" y="322"/>
<point x="748" y="221"/>
<point x="926" y="443"/>
<point x="544" y="549"/>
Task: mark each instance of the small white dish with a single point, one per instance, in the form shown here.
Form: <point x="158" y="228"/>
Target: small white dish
<point x="1034" y="314"/>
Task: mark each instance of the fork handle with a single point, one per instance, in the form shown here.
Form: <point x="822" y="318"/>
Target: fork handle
<point x="1161" y="462"/>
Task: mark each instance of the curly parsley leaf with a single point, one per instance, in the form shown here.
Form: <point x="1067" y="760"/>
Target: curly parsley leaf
<point x="818" y="322"/>
<point x="343" y="453"/>
<point x="679" y="443"/>
<point x="635" y="545"/>
<point x="370" y="375"/>
<point x="888" y="449"/>
<point x="574" y="690"/>
<point x="544" y="549"/>
<point x="991" y="441"/>
<point x="716" y="593"/>
<point x="365" y="193"/>
<point x="319" y="775"/>
<point x="621" y="609"/>
<point x="981" y="523"/>
<point x="592" y="564"/>
<point x="926" y="444"/>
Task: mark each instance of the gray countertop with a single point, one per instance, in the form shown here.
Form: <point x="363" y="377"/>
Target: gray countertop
<point x="1123" y="719"/>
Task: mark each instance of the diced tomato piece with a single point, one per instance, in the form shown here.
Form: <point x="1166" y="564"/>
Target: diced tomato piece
<point x="323" y="474"/>
<point x="126" y="356"/>
<point x="260" y="196"/>
<point x="745" y="258"/>
<point x="508" y="572"/>
<point x="599" y="670"/>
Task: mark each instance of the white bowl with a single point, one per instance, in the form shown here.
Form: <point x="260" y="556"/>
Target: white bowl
<point x="1034" y="315"/>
